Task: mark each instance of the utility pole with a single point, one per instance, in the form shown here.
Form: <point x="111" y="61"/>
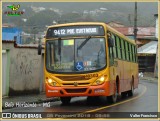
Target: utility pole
<point x="135" y="22"/>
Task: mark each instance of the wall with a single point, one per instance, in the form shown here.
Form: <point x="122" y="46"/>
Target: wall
<point x="5" y="72"/>
<point x="25" y="70"/>
<point x="156" y="65"/>
<point x="146" y="62"/>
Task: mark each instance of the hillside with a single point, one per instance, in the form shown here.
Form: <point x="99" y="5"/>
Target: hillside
<point x="42" y="14"/>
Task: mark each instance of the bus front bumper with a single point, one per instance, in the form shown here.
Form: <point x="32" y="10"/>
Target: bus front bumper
<point x="99" y="90"/>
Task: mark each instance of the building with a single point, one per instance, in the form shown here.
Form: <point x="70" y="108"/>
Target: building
<point x="147" y="56"/>
<point x="9" y="33"/>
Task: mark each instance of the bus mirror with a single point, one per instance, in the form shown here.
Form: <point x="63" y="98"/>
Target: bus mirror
<point x="39" y="49"/>
<point x="110" y="42"/>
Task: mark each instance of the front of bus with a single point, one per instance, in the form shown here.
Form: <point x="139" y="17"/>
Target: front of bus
<point x="76" y="61"/>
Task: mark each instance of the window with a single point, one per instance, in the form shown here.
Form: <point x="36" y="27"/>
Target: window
<point x="114" y="48"/>
<point x="112" y="52"/>
<point x="130" y="49"/>
<point x="133" y="53"/>
<point x="135" y="50"/>
<point x="122" y="49"/>
<point x="73" y="55"/>
<point x="118" y="47"/>
<point x="127" y="54"/>
<point x="111" y="59"/>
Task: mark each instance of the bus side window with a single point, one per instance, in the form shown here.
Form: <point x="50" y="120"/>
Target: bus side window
<point x="111" y="56"/>
<point x="124" y="43"/>
<point x="130" y="49"/>
<point x="115" y="47"/>
<point x="128" y="52"/>
<point x="135" y="48"/>
<point x="127" y="55"/>
<point x="122" y="49"/>
<point x="111" y="52"/>
<point x="118" y="47"/>
<point x="133" y="53"/>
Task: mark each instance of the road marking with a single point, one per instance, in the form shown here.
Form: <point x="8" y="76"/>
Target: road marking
<point x="94" y="110"/>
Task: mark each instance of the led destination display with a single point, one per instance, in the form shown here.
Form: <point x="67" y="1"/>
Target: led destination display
<point x="75" y="31"/>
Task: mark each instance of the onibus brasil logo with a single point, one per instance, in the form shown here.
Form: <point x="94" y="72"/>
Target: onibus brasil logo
<point x="14" y="10"/>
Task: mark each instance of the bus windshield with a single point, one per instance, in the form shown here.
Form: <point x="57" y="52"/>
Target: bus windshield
<point x="75" y="55"/>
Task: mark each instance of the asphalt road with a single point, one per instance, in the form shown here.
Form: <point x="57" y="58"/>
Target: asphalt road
<point x="145" y="99"/>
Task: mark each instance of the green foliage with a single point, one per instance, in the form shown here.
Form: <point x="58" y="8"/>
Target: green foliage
<point x="121" y="12"/>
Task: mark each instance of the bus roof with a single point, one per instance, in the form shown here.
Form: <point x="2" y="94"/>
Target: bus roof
<point x="97" y="23"/>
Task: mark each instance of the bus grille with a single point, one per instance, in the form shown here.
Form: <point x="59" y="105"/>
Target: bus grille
<point x="76" y="90"/>
<point x="78" y="84"/>
<point x="72" y="78"/>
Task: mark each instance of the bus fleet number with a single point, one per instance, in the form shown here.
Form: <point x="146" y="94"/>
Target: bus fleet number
<point x="59" y="32"/>
<point x="91" y="75"/>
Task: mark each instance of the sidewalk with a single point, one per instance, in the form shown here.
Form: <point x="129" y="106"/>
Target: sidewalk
<point x="149" y="79"/>
<point x="36" y="98"/>
<point x="147" y="76"/>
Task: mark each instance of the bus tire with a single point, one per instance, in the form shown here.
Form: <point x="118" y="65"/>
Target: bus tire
<point x="113" y="98"/>
<point x="130" y="92"/>
<point x="92" y="100"/>
<point x="124" y="94"/>
<point x="65" y="100"/>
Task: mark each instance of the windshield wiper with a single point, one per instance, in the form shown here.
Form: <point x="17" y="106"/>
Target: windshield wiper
<point x="84" y="42"/>
<point x="59" y="46"/>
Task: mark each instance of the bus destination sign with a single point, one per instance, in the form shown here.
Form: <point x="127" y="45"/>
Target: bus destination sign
<point x="75" y="31"/>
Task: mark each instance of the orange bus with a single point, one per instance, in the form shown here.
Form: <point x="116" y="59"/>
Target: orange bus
<point x="89" y="59"/>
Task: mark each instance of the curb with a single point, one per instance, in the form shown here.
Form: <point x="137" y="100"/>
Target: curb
<point x="149" y="79"/>
<point x="37" y="102"/>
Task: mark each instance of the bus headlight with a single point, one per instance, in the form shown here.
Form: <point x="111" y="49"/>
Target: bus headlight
<point x="52" y="82"/>
<point x="99" y="81"/>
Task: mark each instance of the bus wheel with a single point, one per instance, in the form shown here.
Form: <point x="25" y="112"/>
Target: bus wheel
<point x="65" y="100"/>
<point x="130" y="92"/>
<point x="124" y="94"/>
<point x="113" y="98"/>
